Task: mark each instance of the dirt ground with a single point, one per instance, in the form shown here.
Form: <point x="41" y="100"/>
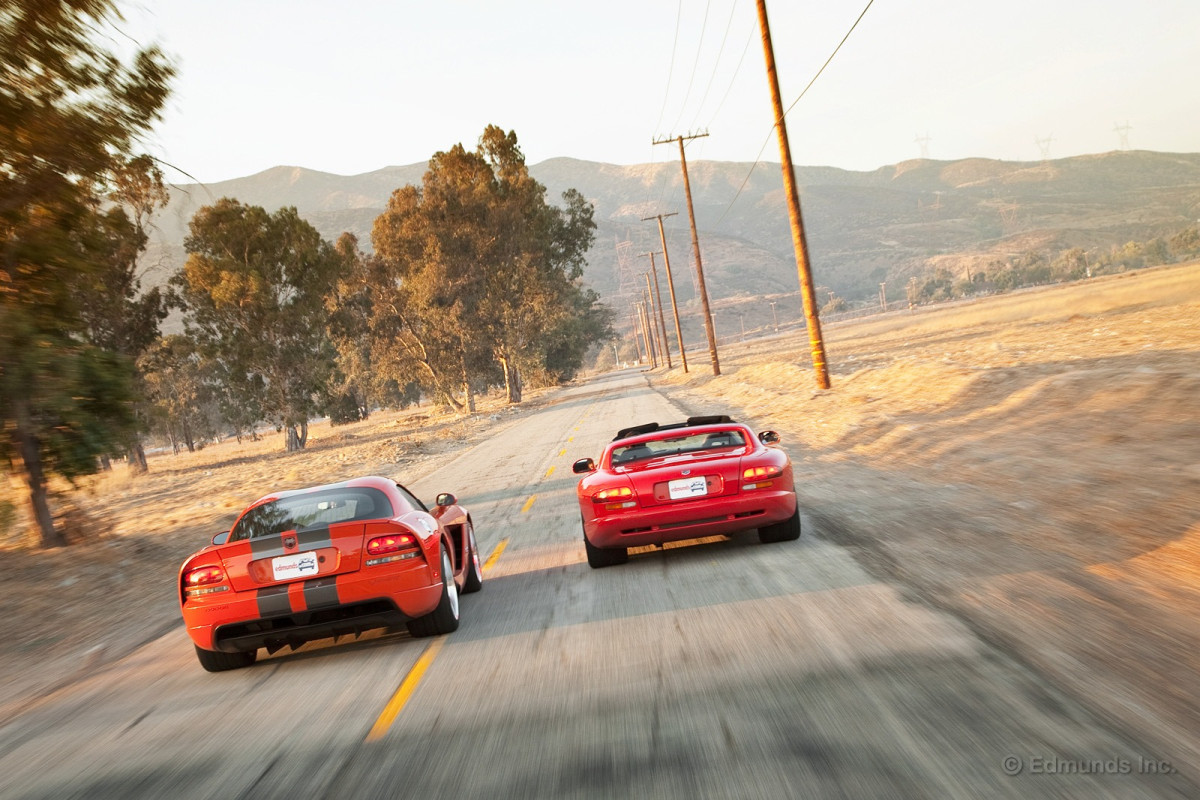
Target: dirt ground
<point x="1030" y="462"/>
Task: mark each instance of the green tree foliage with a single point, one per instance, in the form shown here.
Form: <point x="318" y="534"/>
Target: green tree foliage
<point x="71" y="114"/>
<point x="117" y="314"/>
<point x="255" y="286"/>
<point x="179" y="389"/>
<point x="477" y="275"/>
<point x="355" y="384"/>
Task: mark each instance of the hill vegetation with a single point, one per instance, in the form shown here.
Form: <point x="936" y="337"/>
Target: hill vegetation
<point x="917" y="219"/>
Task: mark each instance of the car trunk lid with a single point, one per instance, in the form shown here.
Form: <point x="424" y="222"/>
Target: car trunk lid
<point x="294" y="555"/>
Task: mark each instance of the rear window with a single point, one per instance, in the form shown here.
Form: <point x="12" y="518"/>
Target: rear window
<point x="688" y="443"/>
<point x="312" y="510"/>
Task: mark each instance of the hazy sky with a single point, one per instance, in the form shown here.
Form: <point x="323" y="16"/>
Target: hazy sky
<point x="355" y="85"/>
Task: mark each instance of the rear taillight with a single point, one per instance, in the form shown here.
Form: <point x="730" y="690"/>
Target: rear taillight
<point x="204" y="580"/>
<point x="393" y="547"/>
<point x="759" y="477"/>
<point x="616" y="499"/>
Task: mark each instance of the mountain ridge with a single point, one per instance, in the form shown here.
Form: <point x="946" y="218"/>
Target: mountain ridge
<point x="863" y="227"/>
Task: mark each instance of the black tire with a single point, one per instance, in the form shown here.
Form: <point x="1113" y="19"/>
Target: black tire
<point x="444" y="618"/>
<point x="599" y="557"/>
<point x="786" y="531"/>
<point x="473" y="581"/>
<point x="216" y="661"/>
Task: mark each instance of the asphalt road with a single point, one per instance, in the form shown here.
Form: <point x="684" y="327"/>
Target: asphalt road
<point x="722" y="669"/>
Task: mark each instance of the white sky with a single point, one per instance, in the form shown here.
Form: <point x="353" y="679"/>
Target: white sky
<point x="355" y="85"/>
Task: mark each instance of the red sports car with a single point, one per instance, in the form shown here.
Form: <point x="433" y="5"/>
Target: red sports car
<point x="664" y="483"/>
<point x="328" y="561"/>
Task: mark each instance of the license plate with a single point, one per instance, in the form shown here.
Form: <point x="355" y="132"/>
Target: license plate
<point x="297" y="565"/>
<point x="688" y="487"/>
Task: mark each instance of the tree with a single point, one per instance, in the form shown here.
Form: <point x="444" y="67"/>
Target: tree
<point x="178" y="388"/>
<point x="118" y="316"/>
<point x="478" y="274"/>
<point x="71" y="115"/>
<point x="255" y="287"/>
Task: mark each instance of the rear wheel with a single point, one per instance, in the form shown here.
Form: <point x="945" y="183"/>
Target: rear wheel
<point x="785" y="531"/>
<point x="474" y="580"/>
<point x="216" y="661"/>
<point x="604" y="557"/>
<point x="444" y="618"/>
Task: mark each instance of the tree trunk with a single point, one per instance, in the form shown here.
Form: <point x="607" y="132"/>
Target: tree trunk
<point x="303" y="434"/>
<point x="470" y="396"/>
<point x="26" y="444"/>
<point x="137" y="459"/>
<point x="293" y="439"/>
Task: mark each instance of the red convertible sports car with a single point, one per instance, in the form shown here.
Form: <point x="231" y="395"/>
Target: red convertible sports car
<point x="664" y="483"/>
<point x="328" y="561"/>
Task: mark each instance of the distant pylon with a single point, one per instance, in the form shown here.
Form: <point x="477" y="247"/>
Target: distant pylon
<point x="1122" y="132"/>
<point x="1044" y="145"/>
<point x="923" y="143"/>
<point x="627" y="279"/>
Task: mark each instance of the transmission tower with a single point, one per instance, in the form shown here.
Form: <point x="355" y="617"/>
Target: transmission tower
<point x="627" y="276"/>
<point x="1044" y="145"/>
<point x="923" y="143"/>
<point x="1122" y="132"/>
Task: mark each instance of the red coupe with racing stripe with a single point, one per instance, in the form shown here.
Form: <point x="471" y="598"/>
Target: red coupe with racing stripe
<point x="665" y="483"/>
<point x="328" y="561"/>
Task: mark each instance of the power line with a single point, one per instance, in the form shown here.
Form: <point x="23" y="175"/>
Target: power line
<point x="695" y="65"/>
<point x="671" y="67"/>
<point x="788" y="110"/>
<point x="720" y="53"/>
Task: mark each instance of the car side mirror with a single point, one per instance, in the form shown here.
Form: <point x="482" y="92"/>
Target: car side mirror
<point x="445" y="499"/>
<point x="221" y="538"/>
<point x="583" y="465"/>
<point x="768" y="437"/>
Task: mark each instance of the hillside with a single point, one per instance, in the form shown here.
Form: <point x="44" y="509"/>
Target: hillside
<point x="862" y="227"/>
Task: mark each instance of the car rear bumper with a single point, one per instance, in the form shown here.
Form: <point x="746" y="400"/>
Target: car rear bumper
<point x="291" y="614"/>
<point x="678" y="521"/>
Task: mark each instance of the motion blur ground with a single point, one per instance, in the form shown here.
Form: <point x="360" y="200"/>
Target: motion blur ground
<point x="1030" y="462"/>
<point x="717" y="669"/>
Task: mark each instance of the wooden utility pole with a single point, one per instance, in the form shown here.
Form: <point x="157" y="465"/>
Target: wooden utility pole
<point x="636" y="343"/>
<point x="811" y="317"/>
<point x="644" y="310"/>
<point x="670" y="283"/>
<point x="662" y="322"/>
<point x="687" y="191"/>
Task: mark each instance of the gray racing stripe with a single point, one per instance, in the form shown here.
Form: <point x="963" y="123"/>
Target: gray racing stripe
<point x="321" y="592"/>
<point x="272" y="546"/>
<point x="273" y="601"/>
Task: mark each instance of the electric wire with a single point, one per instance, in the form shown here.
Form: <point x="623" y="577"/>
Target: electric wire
<point x="720" y="54"/>
<point x="788" y="109"/>
<point x="671" y="67"/>
<point x="695" y="65"/>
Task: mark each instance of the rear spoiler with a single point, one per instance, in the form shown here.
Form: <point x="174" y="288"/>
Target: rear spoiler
<point x="650" y="427"/>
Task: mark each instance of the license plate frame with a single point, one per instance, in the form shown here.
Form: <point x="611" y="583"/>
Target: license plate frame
<point x="686" y="488"/>
<point x="295" y="566"/>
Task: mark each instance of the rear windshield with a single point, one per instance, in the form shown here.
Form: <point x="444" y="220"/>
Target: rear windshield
<point x="688" y="443"/>
<point x="311" y="510"/>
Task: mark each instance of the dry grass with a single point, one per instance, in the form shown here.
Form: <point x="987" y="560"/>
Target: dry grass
<point x="1029" y="461"/>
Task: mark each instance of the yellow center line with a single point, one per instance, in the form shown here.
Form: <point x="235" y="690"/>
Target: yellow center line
<point x="570" y="438"/>
<point x="407" y="687"/>
<point x="528" y="503"/>
<point x="495" y="556"/>
<point x="562" y="452"/>
<point x="550" y="471"/>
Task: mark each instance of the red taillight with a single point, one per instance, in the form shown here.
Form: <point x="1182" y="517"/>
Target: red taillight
<point x="391" y="543"/>
<point x="759" y="477"/>
<point x="754" y="473"/>
<point x="203" y="576"/>
<point x="607" y="495"/>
